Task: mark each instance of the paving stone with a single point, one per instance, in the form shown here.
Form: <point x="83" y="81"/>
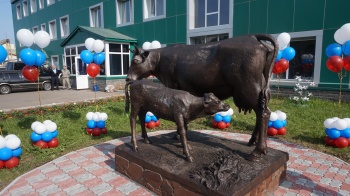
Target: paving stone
<point x="101" y="188"/>
<point x="78" y="188"/>
<point x="49" y="189"/>
<point x="84" y="177"/>
<point x="60" y="178"/>
<point x="128" y="187"/>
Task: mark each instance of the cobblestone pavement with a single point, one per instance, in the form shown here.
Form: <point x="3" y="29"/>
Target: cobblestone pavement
<point x="91" y="171"/>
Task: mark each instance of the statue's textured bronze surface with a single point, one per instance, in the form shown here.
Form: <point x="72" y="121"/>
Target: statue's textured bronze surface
<point x="176" y="105"/>
<point x="238" y="67"/>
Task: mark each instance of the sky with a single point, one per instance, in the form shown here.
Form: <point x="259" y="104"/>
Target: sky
<point x="6" y="24"/>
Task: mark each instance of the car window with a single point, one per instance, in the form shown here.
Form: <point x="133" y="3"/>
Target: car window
<point x="19" y="66"/>
<point x="12" y="76"/>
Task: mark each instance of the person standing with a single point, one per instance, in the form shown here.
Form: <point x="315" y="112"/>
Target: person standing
<point x="54" y="77"/>
<point x="65" y="77"/>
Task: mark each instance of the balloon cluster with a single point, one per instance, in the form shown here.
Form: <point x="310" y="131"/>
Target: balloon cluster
<point x="337" y="131"/>
<point x="10" y="151"/>
<point x="222" y="119"/>
<point x="93" y="59"/>
<point x="335" y="51"/>
<point x="277" y="123"/>
<point x="3" y="53"/>
<point x="285" y="54"/>
<point x="151" y="120"/>
<point x="148" y="45"/>
<point x="96" y="124"/>
<point x="44" y="134"/>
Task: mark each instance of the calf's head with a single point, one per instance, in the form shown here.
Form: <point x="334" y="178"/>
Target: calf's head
<point x="141" y="65"/>
<point x="213" y="105"/>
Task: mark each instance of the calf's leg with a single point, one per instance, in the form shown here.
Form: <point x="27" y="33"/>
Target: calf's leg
<point x="142" y="115"/>
<point x="182" y="131"/>
<point x="133" y="115"/>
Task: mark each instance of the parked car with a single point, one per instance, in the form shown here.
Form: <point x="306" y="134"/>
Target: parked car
<point x="16" y="65"/>
<point x="13" y="80"/>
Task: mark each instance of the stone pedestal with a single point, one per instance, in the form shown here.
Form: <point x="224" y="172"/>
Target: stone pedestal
<point x="219" y="166"/>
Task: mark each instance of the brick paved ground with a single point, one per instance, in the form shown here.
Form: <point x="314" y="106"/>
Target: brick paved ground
<point x="90" y="171"/>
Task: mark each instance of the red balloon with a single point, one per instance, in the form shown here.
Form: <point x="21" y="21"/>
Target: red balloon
<point x="104" y="130"/>
<point x="214" y="123"/>
<point x="335" y="63"/>
<point x="53" y="143"/>
<point x="41" y="144"/>
<point x="282" y="65"/>
<point x="347" y="63"/>
<point x="93" y="70"/>
<point x="151" y="124"/>
<point x="11" y="163"/>
<point x="228" y="125"/>
<point x="2" y="164"/>
<point x="221" y="125"/>
<point x="329" y="141"/>
<point x="274" y="70"/>
<point x="341" y="142"/>
<point x="96" y="131"/>
<point x="88" y="131"/>
<point x="281" y="131"/>
<point x="158" y="123"/>
<point x="272" y="131"/>
<point x="31" y="73"/>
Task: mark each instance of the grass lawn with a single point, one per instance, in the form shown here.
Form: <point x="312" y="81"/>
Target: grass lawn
<point x="305" y="127"/>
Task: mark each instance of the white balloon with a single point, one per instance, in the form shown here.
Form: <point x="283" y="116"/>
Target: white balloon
<point x="340" y="124"/>
<point x="103" y="116"/>
<point x="89" y="115"/>
<point x="88" y="43"/>
<point x="283" y="40"/>
<point x="344" y="32"/>
<point x="273" y="116"/>
<point x="96" y="117"/>
<point x="13" y="143"/>
<point x="51" y="127"/>
<point x="338" y="38"/>
<point x="150" y="114"/>
<point x="2" y="142"/>
<point x="25" y="37"/>
<point x="146" y="45"/>
<point x="40" y="128"/>
<point x="335" y="118"/>
<point x="328" y="123"/>
<point x="42" y="39"/>
<point x="281" y="115"/>
<point x="223" y="113"/>
<point x="155" y="44"/>
<point x="230" y="112"/>
<point x="98" y="46"/>
<point x="34" y="124"/>
<point x="347" y="122"/>
<point x="10" y="136"/>
<point x="47" y="122"/>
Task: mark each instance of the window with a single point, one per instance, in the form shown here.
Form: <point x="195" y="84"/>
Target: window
<point x="64" y="24"/>
<point x="124" y="11"/>
<point x="52" y="29"/>
<point x="119" y="59"/>
<point x="54" y="60"/>
<point x="96" y="16"/>
<point x="25" y="8"/>
<point x="35" y="29"/>
<point x="211" y="13"/>
<point x="32" y="6"/>
<point x="43" y="27"/>
<point x="50" y="2"/>
<point x="154" y="9"/>
<point x="208" y="38"/>
<point x="41" y="4"/>
<point x="70" y="52"/>
<point x="18" y="12"/>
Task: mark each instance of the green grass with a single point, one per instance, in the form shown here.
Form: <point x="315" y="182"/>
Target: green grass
<point x="305" y="127"/>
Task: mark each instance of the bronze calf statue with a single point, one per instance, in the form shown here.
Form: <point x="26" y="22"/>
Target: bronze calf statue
<point x="175" y="105"/>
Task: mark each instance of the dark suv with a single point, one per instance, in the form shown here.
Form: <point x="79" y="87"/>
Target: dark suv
<point x="13" y="80"/>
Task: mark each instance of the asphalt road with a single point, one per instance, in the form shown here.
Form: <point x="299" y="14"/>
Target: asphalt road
<point x="25" y="100"/>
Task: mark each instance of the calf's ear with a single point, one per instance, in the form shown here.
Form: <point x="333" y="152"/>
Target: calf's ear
<point x="207" y="99"/>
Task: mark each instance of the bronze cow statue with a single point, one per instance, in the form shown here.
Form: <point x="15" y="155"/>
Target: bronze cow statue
<point x="238" y="67"/>
<point x="176" y="105"/>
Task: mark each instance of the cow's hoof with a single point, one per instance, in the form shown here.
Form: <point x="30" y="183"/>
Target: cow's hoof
<point x="189" y="159"/>
<point x="176" y="136"/>
<point x="255" y="156"/>
<point x="147" y="141"/>
<point x="135" y="148"/>
<point x="251" y="142"/>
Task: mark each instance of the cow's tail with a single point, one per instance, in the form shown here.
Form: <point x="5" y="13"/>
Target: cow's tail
<point x="127" y="100"/>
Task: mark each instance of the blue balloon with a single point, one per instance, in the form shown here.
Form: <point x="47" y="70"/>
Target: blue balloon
<point x="17" y="152"/>
<point x="270" y="123"/>
<point x="333" y="133"/>
<point x="277" y="124"/>
<point x="147" y="118"/>
<point x="86" y="56"/>
<point x="91" y="124"/>
<point x="333" y="50"/>
<point x="154" y="118"/>
<point x="217" y="117"/>
<point x="40" y="58"/>
<point x="226" y="118"/>
<point x="35" y="137"/>
<point x="55" y="133"/>
<point x="3" y="53"/>
<point x="5" y="154"/>
<point x="46" y="136"/>
<point x="101" y="124"/>
<point x="288" y="53"/>
<point x="346" y="48"/>
<point x="345" y="133"/>
<point x="279" y="55"/>
<point x="28" y="56"/>
<point x="99" y="58"/>
<point x="284" y="123"/>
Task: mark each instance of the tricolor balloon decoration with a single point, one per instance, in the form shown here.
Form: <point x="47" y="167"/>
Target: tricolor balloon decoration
<point x="338" y="132"/>
<point x="94" y="60"/>
<point x="10" y="151"/>
<point x="96" y="124"/>
<point x="222" y="120"/>
<point x="277" y="123"/>
<point x="151" y="121"/>
<point x="44" y="134"/>
<point x="151" y="45"/>
<point x="285" y="54"/>
<point x="3" y="53"/>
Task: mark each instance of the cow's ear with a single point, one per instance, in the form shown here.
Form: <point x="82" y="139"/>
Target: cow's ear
<point x="145" y="54"/>
<point x="207" y="99"/>
<point x="137" y="50"/>
<point x="132" y="51"/>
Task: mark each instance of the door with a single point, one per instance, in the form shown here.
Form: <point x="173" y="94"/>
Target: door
<point x="81" y="76"/>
